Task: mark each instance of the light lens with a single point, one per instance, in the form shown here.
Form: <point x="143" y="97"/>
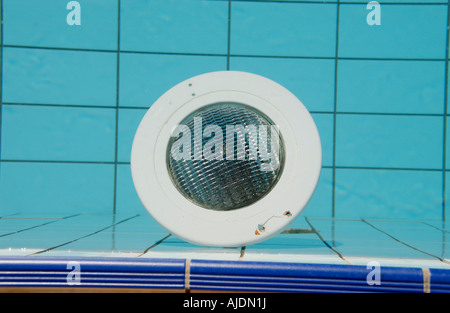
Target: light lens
<point x="225" y="156"/>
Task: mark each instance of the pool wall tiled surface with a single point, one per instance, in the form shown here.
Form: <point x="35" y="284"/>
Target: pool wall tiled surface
<point x="72" y="96"/>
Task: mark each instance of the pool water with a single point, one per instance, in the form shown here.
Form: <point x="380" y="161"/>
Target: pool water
<point x="78" y="76"/>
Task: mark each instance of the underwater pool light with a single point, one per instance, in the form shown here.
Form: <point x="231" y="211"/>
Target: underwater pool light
<point x="226" y="159"/>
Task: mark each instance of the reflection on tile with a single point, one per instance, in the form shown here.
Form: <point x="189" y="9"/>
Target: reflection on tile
<point x="295" y="258"/>
<point x="416" y="234"/>
<point x="59" y="233"/>
<point x="302" y="247"/>
<point x="174" y="247"/>
<point x="358" y="241"/>
<point x="307" y="240"/>
<point x="17" y="252"/>
<point x="134" y="236"/>
<point x="398" y="262"/>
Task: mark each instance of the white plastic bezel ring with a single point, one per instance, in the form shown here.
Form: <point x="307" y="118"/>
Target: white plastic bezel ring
<point x="259" y="221"/>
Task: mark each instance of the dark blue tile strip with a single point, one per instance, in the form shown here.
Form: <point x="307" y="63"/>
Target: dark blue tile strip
<point x="215" y="275"/>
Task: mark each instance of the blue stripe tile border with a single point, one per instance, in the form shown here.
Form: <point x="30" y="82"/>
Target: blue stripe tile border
<point x="278" y="269"/>
<point x="122" y="265"/>
<point x="217" y="275"/>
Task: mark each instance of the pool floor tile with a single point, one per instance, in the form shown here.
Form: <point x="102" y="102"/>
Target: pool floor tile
<point x="307" y="240"/>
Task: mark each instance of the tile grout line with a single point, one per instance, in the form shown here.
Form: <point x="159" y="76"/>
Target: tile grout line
<point x="345" y="2"/>
<point x="242" y="253"/>
<point x="444" y="240"/>
<point x="229" y="36"/>
<point x="63" y="162"/>
<point x="443" y="233"/>
<point x="85" y="236"/>
<point x="383" y="168"/>
<point x="128" y="163"/>
<point x="404" y="114"/>
<point x="8" y="216"/>
<point x="426" y="280"/>
<point x="116" y="135"/>
<point x="444" y="132"/>
<point x="443" y="230"/>
<point x="359" y="220"/>
<point x="226" y="54"/>
<point x="187" y="275"/>
<point x="404" y="243"/>
<point x="333" y="195"/>
<point x="113" y="233"/>
<point x="39" y="225"/>
<point x="154" y="245"/>
<point x="314" y="230"/>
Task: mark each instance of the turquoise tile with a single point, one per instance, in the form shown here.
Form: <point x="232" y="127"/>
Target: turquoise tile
<point x="136" y="234"/>
<point x="10" y="227"/>
<point x="291" y="244"/>
<point x="321" y="1"/>
<point x="447" y="143"/>
<point x="388" y="194"/>
<point x="174" y="26"/>
<point x="324" y="123"/>
<point x="389" y="141"/>
<point x="301" y="222"/>
<point x="446" y="213"/>
<point x="57" y="133"/>
<point x="59" y="77"/>
<point x="129" y="120"/>
<point x="63" y="188"/>
<point x="291" y="42"/>
<point x="175" y="248"/>
<point x="311" y="80"/>
<point x="127" y="200"/>
<point x="106" y="241"/>
<point x="283" y="29"/>
<point x="320" y="204"/>
<point x="355" y="238"/>
<point x="142" y="224"/>
<point x="145" y="77"/>
<point x="406" y="31"/>
<point x="44" y="24"/>
<point x="60" y="233"/>
<point x="366" y="86"/>
<point x="415" y="234"/>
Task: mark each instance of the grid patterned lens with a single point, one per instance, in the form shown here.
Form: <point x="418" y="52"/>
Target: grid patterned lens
<point x="232" y="156"/>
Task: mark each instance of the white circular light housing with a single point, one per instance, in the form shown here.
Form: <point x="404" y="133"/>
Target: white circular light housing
<point x="208" y="195"/>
